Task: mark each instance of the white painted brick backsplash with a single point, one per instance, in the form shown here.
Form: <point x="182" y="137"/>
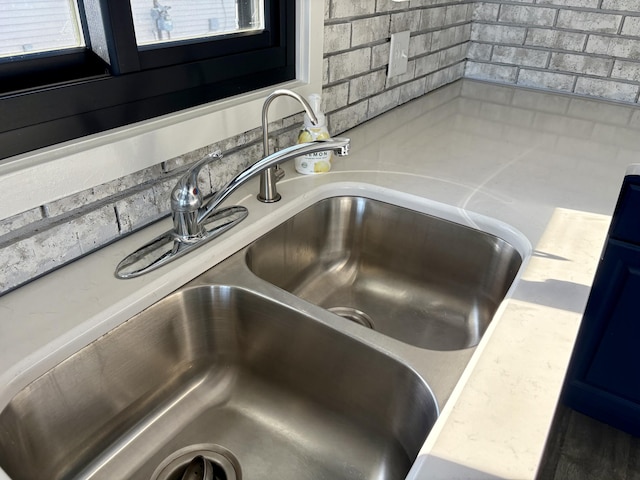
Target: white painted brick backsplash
<point x="427" y="64"/>
<point x="607" y="89"/>
<point x="337" y="37"/>
<point x="389" y="5"/>
<point x="413" y="89"/>
<point x="488" y="71"/>
<point x="17" y="221"/>
<point x="624" y="5"/>
<point x="570" y="3"/>
<point x="432" y="18"/>
<point x="420" y="44"/>
<point x="368" y="30"/>
<point x="54" y="246"/>
<point x="445" y="76"/>
<point x="545" y="79"/>
<point x="351" y="8"/>
<point x="479" y="51"/>
<point x="380" y="55"/>
<point x="383" y="102"/>
<point x="534" y="16"/>
<point x="498" y="33"/>
<point x="453" y="55"/>
<point x="521" y="56"/>
<point x="485" y="11"/>
<point x="335" y="96"/>
<point x="405" y="21"/>
<point x="555" y="39"/>
<point x="450" y="36"/>
<point x="349" y="117"/>
<point x="366" y="85"/>
<point x="458" y="13"/>
<point x="614" y="46"/>
<point x="631" y="26"/>
<point x="584" y="64"/>
<point x="349" y="64"/>
<point x="626" y="70"/>
<point x="139" y="210"/>
<point x="591" y="21"/>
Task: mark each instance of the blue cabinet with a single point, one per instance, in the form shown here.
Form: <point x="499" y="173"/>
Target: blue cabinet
<point x="603" y="380"/>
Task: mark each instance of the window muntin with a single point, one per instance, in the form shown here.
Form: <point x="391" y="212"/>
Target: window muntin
<point x="160" y="21"/>
<point x="29" y="27"/>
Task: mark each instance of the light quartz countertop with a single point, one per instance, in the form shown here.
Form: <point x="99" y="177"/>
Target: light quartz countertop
<point x="548" y="165"/>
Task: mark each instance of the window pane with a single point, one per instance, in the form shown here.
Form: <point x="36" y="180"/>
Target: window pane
<point x="31" y="26"/>
<point x="171" y="20"/>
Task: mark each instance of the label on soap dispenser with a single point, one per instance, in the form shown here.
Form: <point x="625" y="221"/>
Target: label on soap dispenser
<point x="318" y="162"/>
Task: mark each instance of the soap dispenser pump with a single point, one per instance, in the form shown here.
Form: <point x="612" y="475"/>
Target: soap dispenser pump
<point x="319" y="162"/>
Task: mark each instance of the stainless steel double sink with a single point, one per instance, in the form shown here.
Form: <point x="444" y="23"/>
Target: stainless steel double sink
<point x="323" y="350"/>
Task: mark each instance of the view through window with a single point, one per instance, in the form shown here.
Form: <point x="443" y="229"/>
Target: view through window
<point x="38" y="26"/>
<point x="171" y="20"/>
<point x="34" y="26"/>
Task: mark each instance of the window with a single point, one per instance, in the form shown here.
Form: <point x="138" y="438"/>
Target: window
<point x="31" y="27"/>
<point x="75" y="69"/>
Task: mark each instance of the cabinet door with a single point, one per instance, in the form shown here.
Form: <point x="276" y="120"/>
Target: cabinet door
<point x="604" y="376"/>
<point x="616" y="363"/>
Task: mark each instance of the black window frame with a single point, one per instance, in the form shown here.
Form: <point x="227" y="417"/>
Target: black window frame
<point x="56" y="97"/>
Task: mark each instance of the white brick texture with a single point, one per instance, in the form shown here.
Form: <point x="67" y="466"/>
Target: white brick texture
<point x="584" y="64"/>
<point x="591" y="21"/>
<point x="534" y="16"/>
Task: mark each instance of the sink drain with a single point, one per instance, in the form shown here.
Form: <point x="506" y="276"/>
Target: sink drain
<point x="353" y="314"/>
<point x="225" y="464"/>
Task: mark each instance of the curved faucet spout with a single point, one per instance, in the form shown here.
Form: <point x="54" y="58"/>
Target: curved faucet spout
<point x="265" y="114"/>
<point x="339" y="145"/>
<point x="268" y="191"/>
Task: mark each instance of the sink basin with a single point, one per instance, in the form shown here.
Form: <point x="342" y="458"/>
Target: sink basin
<point x="262" y="390"/>
<point x="417" y="278"/>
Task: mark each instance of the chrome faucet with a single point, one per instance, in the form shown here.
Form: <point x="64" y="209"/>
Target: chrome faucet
<point x="268" y="192"/>
<point x="196" y="222"/>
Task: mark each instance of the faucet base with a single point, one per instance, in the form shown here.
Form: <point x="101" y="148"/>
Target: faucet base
<point x="269" y="200"/>
<point x="169" y="246"/>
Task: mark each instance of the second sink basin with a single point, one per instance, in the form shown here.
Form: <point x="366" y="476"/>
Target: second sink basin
<point x="262" y="390"/>
<point x="420" y="279"/>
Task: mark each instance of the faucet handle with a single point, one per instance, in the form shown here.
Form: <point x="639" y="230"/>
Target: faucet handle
<point x="186" y="200"/>
<point x="186" y="195"/>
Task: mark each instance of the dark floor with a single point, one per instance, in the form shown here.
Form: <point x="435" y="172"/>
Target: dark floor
<point x="581" y="448"/>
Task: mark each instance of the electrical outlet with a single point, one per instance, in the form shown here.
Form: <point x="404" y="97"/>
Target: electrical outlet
<point x="399" y="53"/>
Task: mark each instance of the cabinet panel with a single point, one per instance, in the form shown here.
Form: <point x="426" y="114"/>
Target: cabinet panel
<point x="615" y="365"/>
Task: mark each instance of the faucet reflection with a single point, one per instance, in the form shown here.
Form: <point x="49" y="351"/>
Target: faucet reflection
<point x="196" y="222"/>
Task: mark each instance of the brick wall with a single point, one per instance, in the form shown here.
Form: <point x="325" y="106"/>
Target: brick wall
<point x="587" y="47"/>
<point x="356" y="46"/>
<point x="356" y="89"/>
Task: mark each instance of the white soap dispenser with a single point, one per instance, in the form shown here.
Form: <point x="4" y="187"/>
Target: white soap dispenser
<point x="319" y="162"/>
